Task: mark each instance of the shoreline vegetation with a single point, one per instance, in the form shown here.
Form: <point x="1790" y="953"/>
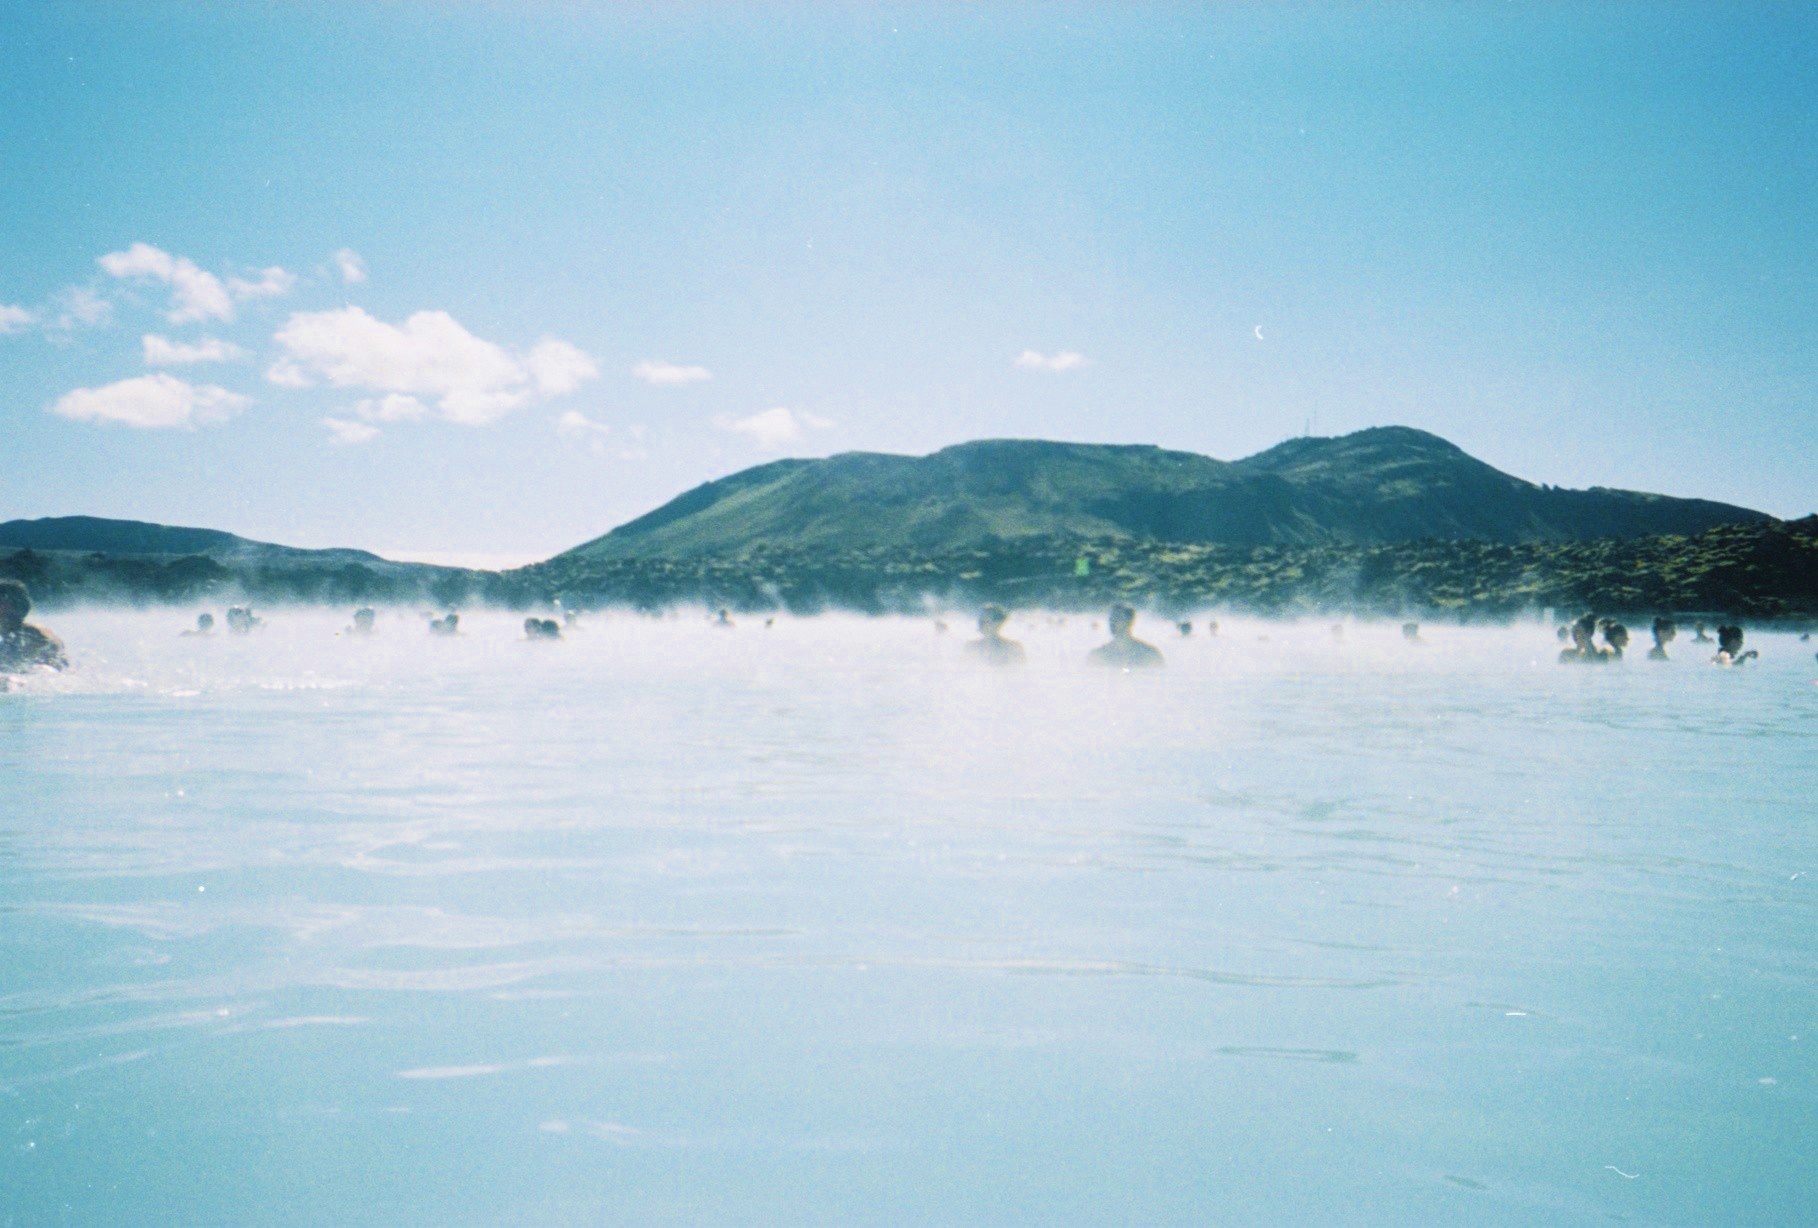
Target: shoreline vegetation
<point x="1762" y="571"/>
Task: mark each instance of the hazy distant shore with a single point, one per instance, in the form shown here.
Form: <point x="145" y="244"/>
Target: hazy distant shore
<point x="1762" y="571"/>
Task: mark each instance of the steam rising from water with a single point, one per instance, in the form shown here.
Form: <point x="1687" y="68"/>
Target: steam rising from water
<point x="826" y="922"/>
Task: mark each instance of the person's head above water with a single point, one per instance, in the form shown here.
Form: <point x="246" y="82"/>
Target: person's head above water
<point x="1615" y="635"/>
<point x="15" y="604"/>
<point x="991" y="620"/>
<point x="1583" y="631"/>
<point x="1665" y="630"/>
<point x="1121" y="619"/>
<point x="205" y="622"/>
<point x="1729" y="639"/>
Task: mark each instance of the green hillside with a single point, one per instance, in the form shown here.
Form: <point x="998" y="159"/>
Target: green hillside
<point x="1388" y="484"/>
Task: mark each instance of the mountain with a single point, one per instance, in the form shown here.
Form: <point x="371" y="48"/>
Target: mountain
<point x="67" y="559"/>
<point x="1386" y="484"/>
<point x="95" y="535"/>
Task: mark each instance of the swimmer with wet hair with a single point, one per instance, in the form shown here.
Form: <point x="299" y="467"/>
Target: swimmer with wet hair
<point x="1729" y="647"/>
<point x="991" y="647"/>
<point x="450" y="624"/>
<point x="542" y="629"/>
<point x="1616" y="636"/>
<point x="1665" y="632"/>
<point x="205" y="627"/>
<point x="1411" y="633"/>
<point x="1125" y="651"/>
<point x="362" y="621"/>
<point x="1584" y="648"/>
<point x="22" y="645"/>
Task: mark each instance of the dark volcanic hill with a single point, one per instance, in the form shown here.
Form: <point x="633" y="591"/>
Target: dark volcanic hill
<point x="93" y="534"/>
<point x="1387" y="484"/>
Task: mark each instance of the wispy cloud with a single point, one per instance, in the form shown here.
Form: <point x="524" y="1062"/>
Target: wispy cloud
<point x="1063" y="360"/>
<point x="195" y="293"/>
<point x="576" y="425"/>
<point x="350" y="265"/>
<point x="163" y="352"/>
<point x="15" y="319"/>
<point x="668" y="374"/>
<point x="346" y="432"/>
<point x="273" y="282"/>
<point x="151" y="402"/>
<point x="472" y="381"/>
<point x="81" y="307"/>
<point x="772" y="428"/>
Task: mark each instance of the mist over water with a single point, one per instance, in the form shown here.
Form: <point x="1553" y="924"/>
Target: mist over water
<point x="825" y="923"/>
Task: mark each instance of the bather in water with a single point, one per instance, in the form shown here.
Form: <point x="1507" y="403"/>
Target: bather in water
<point x="542" y="629"/>
<point x="205" y="627"/>
<point x="242" y="621"/>
<point x="1729" y="647"/>
<point x="1411" y="633"/>
<point x="724" y="620"/>
<point x="1665" y="632"/>
<point x="1584" y="650"/>
<point x="1615" y="638"/>
<point x="1185" y="628"/>
<point x="449" y="624"/>
<point x="991" y="647"/>
<point x="1125" y="651"/>
<point x="1700" y="637"/>
<point x="362" y="621"/>
<point x="22" y="645"/>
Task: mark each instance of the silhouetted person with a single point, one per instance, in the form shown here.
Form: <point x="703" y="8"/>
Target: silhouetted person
<point x="1411" y="633"/>
<point x="724" y="620"/>
<point x="1563" y="634"/>
<point x="449" y="624"/>
<point x="1665" y="632"/>
<point x="1700" y="637"/>
<point x="1616" y="636"/>
<point x="22" y="645"/>
<point x="1212" y="627"/>
<point x="991" y="647"/>
<point x="241" y="620"/>
<point x="362" y="621"/>
<point x="1729" y="647"/>
<point x="542" y="629"/>
<point x="1125" y="651"/>
<point x="1584" y="650"/>
<point x="205" y="626"/>
<point x="1185" y="628"/>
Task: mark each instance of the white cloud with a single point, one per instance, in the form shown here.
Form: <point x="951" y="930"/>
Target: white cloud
<point x="1064" y="360"/>
<point x="273" y="283"/>
<point x="352" y="267"/>
<point x="12" y="319"/>
<point x="151" y="402"/>
<point x="472" y="381"/>
<point x="773" y="428"/>
<point x="668" y="374"/>
<point x="393" y="408"/>
<point x="577" y="425"/>
<point x="163" y="352"/>
<point x="344" y="432"/>
<point x="287" y="374"/>
<point x="81" y="307"/>
<point x="558" y="367"/>
<point x="195" y="293"/>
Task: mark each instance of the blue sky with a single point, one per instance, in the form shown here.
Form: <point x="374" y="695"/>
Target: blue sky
<point x="490" y="279"/>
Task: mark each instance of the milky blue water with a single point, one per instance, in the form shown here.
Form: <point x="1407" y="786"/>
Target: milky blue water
<point x="818" y="924"/>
